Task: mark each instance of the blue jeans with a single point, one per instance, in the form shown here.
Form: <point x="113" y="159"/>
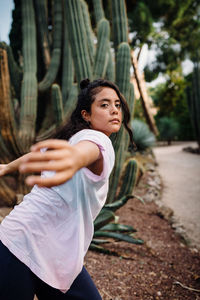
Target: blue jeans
<point x="18" y="282"/>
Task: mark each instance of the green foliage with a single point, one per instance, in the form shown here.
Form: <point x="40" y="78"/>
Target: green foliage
<point x="115" y="231"/>
<point x="143" y="137"/>
<point x="170" y="98"/>
<point x="168" y="129"/>
<point x="141" y="22"/>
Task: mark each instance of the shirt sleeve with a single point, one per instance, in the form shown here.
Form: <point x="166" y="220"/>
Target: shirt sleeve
<point x="105" y="146"/>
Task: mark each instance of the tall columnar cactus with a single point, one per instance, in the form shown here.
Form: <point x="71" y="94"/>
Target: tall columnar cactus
<point x="119" y="140"/>
<point x="68" y="50"/>
<point x="78" y="39"/>
<point x="41" y="15"/>
<point x="53" y="68"/>
<point x="98" y="10"/>
<point x="120" y="22"/>
<point x="9" y="145"/>
<point x="194" y="102"/>
<point x="102" y="55"/>
<point x="28" y="110"/>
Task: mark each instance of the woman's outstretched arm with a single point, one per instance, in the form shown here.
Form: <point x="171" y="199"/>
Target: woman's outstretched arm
<point x="12" y="166"/>
<point x="62" y="158"/>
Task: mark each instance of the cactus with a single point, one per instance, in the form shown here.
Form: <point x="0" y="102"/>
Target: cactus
<point x="29" y="83"/>
<point x="89" y="32"/>
<point x="7" y="118"/>
<point x="120" y="140"/>
<point x="56" y="53"/>
<point x="57" y="102"/>
<point x="78" y="40"/>
<point x="194" y="102"/>
<point x="74" y="55"/>
<point x="101" y="58"/>
<point x="98" y="10"/>
<point x="128" y="178"/>
<point x="120" y="25"/>
<point x="41" y="12"/>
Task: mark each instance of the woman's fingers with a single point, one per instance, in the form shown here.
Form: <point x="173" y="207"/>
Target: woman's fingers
<point x="45" y="156"/>
<point x="51" y="144"/>
<point x="40" y="166"/>
<point x="57" y="179"/>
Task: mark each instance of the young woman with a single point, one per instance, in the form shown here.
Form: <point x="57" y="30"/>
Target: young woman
<point x="45" y="238"/>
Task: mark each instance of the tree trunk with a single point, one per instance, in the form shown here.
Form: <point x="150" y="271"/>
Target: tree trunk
<point x="144" y="96"/>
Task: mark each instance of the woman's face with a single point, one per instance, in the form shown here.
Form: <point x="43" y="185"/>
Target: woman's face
<point x="106" y="114"/>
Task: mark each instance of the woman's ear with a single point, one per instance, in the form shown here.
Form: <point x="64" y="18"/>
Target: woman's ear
<point x="85" y="115"/>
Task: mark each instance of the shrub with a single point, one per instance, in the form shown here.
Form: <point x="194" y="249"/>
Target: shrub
<point x="142" y="135"/>
<point x="168" y="129"/>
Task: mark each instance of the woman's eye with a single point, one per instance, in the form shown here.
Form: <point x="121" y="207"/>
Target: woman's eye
<point x="118" y="105"/>
<point x="104" y="105"/>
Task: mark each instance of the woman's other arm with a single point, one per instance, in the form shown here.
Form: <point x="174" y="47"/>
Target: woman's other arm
<point x="62" y="158"/>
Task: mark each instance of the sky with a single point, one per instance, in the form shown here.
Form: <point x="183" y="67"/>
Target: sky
<point x="6" y="7"/>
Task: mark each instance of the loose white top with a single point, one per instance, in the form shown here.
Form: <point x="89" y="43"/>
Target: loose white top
<point x="51" y="229"/>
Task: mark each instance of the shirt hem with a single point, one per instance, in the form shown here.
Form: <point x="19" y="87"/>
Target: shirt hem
<point x="25" y="259"/>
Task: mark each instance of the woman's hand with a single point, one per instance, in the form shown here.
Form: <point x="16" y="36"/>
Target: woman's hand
<point x="60" y="157"/>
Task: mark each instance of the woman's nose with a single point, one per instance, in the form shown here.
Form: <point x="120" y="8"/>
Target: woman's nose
<point x="114" y="109"/>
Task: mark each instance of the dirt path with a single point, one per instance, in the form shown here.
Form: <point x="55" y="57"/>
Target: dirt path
<point x="180" y="172"/>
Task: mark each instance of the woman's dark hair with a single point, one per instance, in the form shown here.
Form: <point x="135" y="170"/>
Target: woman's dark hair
<point x="85" y="99"/>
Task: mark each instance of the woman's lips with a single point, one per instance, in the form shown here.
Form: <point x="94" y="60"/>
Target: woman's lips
<point x="115" y="121"/>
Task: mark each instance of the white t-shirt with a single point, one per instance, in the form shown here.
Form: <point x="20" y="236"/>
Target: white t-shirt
<point x="51" y="229"/>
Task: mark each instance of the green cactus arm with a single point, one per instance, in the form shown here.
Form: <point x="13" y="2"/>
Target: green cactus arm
<point x="129" y="177"/>
<point x="67" y="64"/>
<point x="98" y="10"/>
<point x="119" y="20"/>
<point x="51" y="74"/>
<point x="101" y="58"/>
<point x="41" y="16"/>
<point x="120" y="141"/>
<point x="70" y="104"/>
<point x="8" y="124"/>
<point x="123" y="65"/>
<point x="56" y="98"/>
<point x="89" y="32"/>
<point x="110" y="71"/>
<point x="77" y="37"/>
<point x="131" y="99"/>
<point x="29" y="84"/>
